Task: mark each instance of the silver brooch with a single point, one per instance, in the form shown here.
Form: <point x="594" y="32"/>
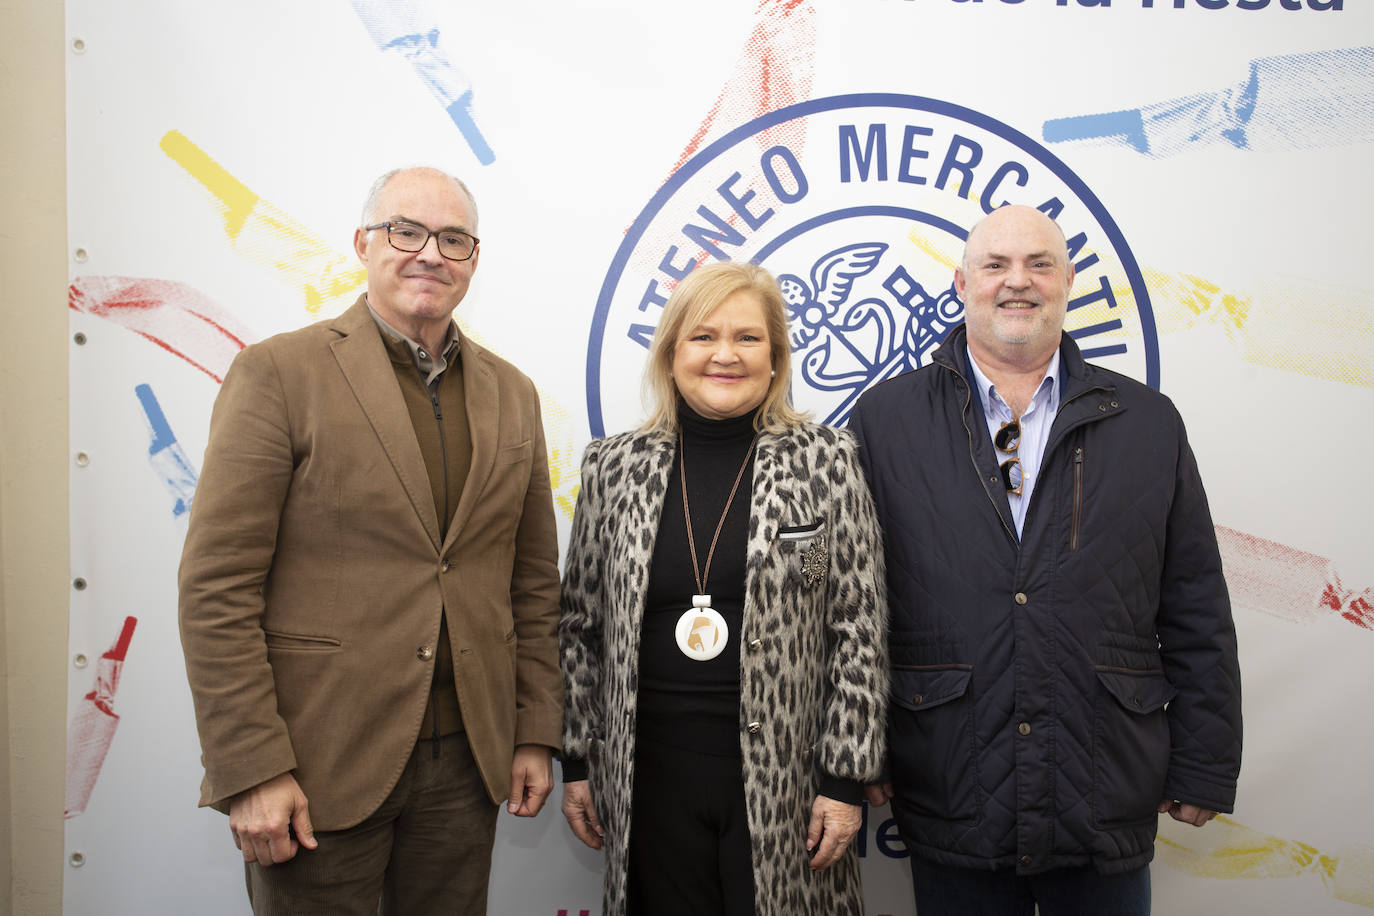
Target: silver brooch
<point x="814" y="562"/>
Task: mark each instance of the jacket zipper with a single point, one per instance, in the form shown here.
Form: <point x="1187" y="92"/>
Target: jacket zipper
<point x="963" y="416"/>
<point x="443" y="528"/>
<point x="1077" y="496"/>
<point x="1077" y="459"/>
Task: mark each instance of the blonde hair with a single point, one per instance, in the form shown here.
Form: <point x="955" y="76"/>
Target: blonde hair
<point x="695" y="298"/>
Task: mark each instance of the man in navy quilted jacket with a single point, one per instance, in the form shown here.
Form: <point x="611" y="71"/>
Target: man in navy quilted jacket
<point x="1063" y="656"/>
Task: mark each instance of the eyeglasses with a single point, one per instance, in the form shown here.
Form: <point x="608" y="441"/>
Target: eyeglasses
<point x="454" y="244"/>
<point x="1008" y="439"/>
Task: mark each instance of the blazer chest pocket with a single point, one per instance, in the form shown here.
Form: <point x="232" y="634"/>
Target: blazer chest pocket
<point x="805" y="553"/>
<point x="504" y="488"/>
<point x="802" y="532"/>
<point x="512" y="454"/>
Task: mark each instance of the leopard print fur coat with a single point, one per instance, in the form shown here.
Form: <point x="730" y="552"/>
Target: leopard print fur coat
<point x="813" y="668"/>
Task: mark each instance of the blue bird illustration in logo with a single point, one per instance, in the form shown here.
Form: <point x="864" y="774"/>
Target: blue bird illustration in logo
<point x="809" y="307"/>
<point x="846" y="346"/>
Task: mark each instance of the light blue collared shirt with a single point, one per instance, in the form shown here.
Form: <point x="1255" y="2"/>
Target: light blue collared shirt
<point x="1035" y="429"/>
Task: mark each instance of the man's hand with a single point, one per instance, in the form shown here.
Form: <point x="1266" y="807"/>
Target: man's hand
<point x="262" y="818"/>
<point x="581" y="813"/>
<point x="878" y="794"/>
<point x="833" y="825"/>
<point x="531" y="779"/>
<point x="1188" y="814"/>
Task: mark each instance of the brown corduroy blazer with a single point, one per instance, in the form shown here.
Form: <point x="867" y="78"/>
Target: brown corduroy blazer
<point x="313" y="575"/>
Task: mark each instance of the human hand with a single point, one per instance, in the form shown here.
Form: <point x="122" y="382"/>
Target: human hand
<point x="262" y="820"/>
<point x="833" y="825"/>
<point x="878" y="794"/>
<point x="1185" y="813"/>
<point x="581" y="813"/>
<point x="531" y="779"/>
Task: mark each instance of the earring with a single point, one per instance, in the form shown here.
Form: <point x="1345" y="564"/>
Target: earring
<point x="772" y="373"/>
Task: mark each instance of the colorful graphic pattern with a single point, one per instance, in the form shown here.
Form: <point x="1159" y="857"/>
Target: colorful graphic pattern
<point x="1227" y="849"/>
<point x="406" y="30"/>
<point x="179" y="319"/>
<point x="1292" y="101"/>
<point x="1289" y="583"/>
<point x="91" y="729"/>
<point x="166" y="455"/>
<point x="261" y="232"/>
<point x="1306" y="327"/>
<point x="774" y="70"/>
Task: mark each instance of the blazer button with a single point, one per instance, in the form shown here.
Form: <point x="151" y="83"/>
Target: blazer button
<point x="1025" y="860"/>
<point x="445" y="566"/>
<point x="754" y="727"/>
<point x="424" y="653"/>
<point x="916" y="699"/>
<point x="1021" y="598"/>
<point x="1024" y="728"/>
<point x="755" y="645"/>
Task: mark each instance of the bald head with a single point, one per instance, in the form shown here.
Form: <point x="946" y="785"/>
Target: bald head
<point x="372" y="210"/>
<point x="1014" y="282"/>
<point x="1023" y="218"/>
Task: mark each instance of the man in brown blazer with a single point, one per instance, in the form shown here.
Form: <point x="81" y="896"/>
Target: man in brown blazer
<point x="369" y="587"/>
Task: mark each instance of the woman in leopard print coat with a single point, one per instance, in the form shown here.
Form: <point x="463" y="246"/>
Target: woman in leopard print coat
<point x="813" y="656"/>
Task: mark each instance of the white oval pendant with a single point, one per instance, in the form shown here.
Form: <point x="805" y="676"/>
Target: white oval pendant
<point x="701" y="632"/>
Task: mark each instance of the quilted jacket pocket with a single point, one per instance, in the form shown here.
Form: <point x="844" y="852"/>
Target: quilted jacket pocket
<point x="1131" y="737"/>
<point x="930" y="729"/>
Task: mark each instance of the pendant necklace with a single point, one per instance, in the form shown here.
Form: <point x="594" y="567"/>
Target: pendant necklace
<point x="701" y="631"/>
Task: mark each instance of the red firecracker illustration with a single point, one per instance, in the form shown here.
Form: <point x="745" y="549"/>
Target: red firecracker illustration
<point x="177" y="317"/>
<point x="93" y="724"/>
<point x="1289" y="583"/>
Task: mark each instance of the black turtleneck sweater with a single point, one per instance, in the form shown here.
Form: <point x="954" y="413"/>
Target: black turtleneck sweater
<point x="683" y="702"/>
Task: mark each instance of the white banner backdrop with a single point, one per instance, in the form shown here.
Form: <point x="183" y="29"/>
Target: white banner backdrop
<point x="1208" y="158"/>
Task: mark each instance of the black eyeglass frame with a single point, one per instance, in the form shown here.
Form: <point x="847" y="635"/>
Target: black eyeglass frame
<point x="429" y="233"/>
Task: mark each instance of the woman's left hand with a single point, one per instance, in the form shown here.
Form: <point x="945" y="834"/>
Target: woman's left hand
<point x="833" y="825"/>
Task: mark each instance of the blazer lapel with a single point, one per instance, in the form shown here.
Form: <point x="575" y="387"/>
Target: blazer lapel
<point x="482" y="399"/>
<point x="362" y="358"/>
<point x="649" y="464"/>
<point x="767" y="504"/>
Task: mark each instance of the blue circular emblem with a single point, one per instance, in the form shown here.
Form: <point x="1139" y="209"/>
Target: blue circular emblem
<point x="860" y="205"/>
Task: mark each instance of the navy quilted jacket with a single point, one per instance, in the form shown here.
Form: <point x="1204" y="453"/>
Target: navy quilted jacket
<point x="1048" y="693"/>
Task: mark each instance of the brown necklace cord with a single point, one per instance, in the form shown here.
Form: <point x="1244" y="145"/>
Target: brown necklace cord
<point x="687" y="511"/>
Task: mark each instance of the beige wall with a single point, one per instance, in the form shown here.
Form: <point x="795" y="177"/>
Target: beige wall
<point x="33" y="455"/>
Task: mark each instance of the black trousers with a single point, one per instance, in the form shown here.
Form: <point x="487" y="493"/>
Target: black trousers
<point x="689" y="835"/>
